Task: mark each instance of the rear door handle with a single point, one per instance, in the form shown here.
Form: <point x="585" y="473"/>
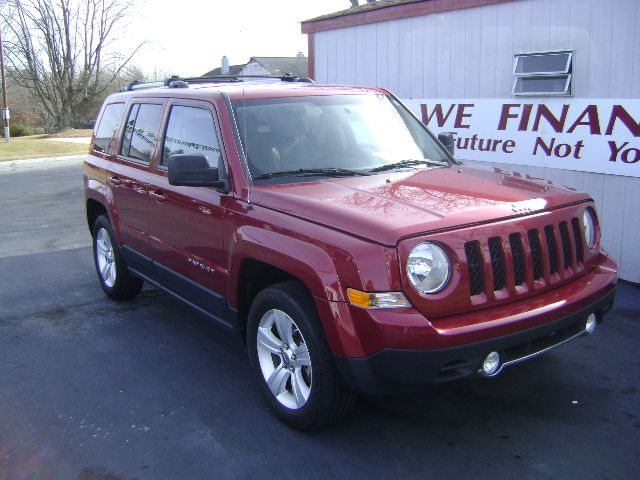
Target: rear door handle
<point x="138" y="189"/>
<point x="159" y="196"/>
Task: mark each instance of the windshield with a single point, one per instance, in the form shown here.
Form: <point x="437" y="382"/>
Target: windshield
<point x="298" y="139"/>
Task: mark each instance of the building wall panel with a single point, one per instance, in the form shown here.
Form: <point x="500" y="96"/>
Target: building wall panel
<point x="488" y="52"/>
<point x="559" y="23"/>
<point x="579" y="20"/>
<point x="417" y="56"/>
<point x="360" y="54"/>
<point x="459" y="64"/>
<point x="635" y="80"/>
<point x="427" y="83"/>
<point x="350" y="53"/>
<point x="622" y="50"/>
<point x="443" y="56"/>
<point x="540" y="29"/>
<point x="504" y="50"/>
<point x="599" y="49"/>
<point x="473" y="52"/>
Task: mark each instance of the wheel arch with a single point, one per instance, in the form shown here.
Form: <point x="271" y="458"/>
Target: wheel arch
<point x="269" y="258"/>
<point x="94" y="209"/>
<point x="96" y="205"/>
<point x="253" y="277"/>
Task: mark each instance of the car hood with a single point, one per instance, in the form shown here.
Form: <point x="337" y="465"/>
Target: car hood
<point x="388" y="207"/>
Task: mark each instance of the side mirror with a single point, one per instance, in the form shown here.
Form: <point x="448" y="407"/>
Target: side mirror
<point x="193" y="170"/>
<point x="448" y="142"/>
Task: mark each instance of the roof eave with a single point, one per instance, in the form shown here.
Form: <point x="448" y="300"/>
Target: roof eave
<point x="390" y="12"/>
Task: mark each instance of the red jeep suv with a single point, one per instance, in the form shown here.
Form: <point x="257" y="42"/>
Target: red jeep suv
<point x="337" y="236"/>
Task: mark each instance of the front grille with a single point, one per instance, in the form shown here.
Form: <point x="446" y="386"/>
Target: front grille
<point x="547" y="250"/>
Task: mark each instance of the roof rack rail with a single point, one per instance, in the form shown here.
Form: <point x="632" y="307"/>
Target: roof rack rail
<point x="172" y="82"/>
<point x="178" y="82"/>
<point x="287" y="77"/>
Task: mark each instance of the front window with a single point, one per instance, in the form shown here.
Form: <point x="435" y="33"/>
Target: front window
<point x="299" y="138"/>
<point x="191" y="130"/>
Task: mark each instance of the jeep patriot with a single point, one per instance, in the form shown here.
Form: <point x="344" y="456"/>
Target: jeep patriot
<point x="340" y="239"/>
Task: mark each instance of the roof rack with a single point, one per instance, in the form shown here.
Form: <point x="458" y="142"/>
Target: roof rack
<point x="287" y="77"/>
<point x="177" y="82"/>
<point x="172" y="82"/>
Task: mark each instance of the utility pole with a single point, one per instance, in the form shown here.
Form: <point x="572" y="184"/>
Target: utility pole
<point x="5" y="105"/>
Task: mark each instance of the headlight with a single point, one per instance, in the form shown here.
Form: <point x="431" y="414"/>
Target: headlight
<point x="589" y="222"/>
<point x="428" y="267"/>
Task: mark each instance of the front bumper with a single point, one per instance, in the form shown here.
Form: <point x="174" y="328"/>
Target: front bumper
<point x="394" y="370"/>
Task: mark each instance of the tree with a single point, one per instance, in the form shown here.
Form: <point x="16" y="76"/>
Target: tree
<point x="61" y="51"/>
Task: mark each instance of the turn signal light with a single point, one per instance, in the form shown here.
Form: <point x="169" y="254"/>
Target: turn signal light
<point x="377" y="300"/>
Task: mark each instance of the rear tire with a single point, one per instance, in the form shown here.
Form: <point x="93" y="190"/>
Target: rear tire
<point x="291" y="359"/>
<point x="115" y="279"/>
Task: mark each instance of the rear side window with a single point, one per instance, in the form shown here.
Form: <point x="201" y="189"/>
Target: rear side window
<point x="141" y="132"/>
<point x="191" y="130"/>
<point x="106" y="134"/>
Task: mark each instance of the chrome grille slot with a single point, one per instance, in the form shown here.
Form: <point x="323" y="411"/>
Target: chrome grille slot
<point x="577" y="237"/>
<point x="517" y="252"/>
<point x="566" y="246"/>
<point x="476" y="270"/>
<point x="552" y="248"/>
<point x="497" y="263"/>
<point x="536" y="253"/>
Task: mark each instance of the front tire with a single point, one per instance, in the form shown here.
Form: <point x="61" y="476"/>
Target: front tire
<point x="292" y="361"/>
<point x="115" y="279"/>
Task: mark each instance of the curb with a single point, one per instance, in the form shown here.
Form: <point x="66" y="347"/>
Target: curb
<point x="16" y="166"/>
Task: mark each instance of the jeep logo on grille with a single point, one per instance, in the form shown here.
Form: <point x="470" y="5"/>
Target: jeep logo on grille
<point x="515" y="208"/>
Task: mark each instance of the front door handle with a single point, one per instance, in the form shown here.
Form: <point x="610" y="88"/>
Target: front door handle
<point x="159" y="196"/>
<point x="205" y="210"/>
<point x="115" y="181"/>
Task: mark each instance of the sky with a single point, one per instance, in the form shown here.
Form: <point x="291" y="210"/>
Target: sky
<point x="189" y="37"/>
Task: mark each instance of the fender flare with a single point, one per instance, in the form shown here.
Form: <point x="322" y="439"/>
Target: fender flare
<point x="102" y="194"/>
<point x="306" y="261"/>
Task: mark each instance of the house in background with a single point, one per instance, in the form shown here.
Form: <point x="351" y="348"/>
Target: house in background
<point x="277" y="66"/>
<point x="225" y="69"/>
<point x="548" y="89"/>
<point x="271" y="66"/>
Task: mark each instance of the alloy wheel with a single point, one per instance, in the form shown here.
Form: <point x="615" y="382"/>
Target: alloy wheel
<point x="284" y="359"/>
<point x="106" y="258"/>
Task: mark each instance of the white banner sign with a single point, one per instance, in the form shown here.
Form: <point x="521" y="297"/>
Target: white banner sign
<point x="589" y="135"/>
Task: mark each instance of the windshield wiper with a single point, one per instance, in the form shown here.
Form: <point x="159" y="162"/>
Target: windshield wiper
<point x="311" y="172"/>
<point x="408" y="163"/>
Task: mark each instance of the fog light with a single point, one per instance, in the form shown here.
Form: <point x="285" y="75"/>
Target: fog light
<point x="491" y="363"/>
<point x="591" y="323"/>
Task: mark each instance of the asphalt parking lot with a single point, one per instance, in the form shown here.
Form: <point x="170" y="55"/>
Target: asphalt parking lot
<point x="91" y="389"/>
